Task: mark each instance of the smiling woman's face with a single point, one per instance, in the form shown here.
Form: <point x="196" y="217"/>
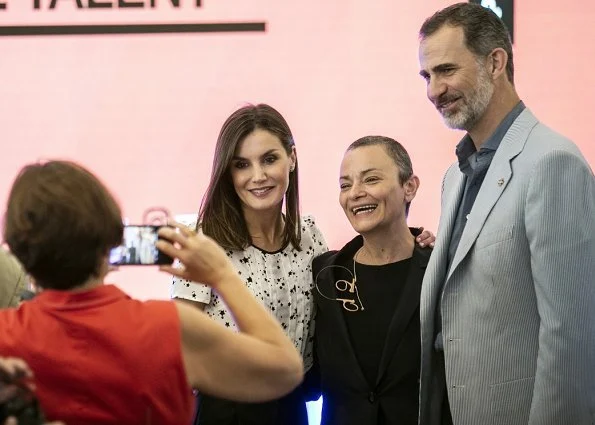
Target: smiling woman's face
<point x="371" y="195"/>
<point x="260" y="171"/>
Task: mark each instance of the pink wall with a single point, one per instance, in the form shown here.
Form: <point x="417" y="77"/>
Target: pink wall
<point x="143" y="112"/>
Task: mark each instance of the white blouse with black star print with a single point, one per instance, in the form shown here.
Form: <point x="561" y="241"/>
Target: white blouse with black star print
<point x="281" y="280"/>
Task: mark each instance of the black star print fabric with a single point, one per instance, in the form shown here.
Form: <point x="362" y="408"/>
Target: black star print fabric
<point x="281" y="280"/>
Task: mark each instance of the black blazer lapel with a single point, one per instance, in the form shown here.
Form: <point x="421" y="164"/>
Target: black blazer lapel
<point x="406" y="308"/>
<point x="327" y="274"/>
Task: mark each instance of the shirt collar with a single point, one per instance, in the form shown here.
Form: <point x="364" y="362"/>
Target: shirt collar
<point x="77" y="300"/>
<point x="466" y="148"/>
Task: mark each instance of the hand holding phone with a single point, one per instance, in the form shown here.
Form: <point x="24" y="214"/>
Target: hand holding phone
<point x="202" y="259"/>
<point x="138" y="248"/>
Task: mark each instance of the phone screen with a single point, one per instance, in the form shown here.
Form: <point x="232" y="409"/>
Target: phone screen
<point x="138" y="248"/>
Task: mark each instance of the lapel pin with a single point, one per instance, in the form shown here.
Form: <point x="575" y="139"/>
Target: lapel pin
<point x="500" y="182"/>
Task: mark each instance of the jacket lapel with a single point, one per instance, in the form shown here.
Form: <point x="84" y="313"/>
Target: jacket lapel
<point x="405" y="310"/>
<point x="496" y="180"/>
<point x="335" y="308"/>
<point x="454" y="185"/>
<point x="445" y="228"/>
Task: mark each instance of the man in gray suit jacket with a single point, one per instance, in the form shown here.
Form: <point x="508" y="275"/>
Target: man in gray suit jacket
<point x="508" y="298"/>
<point x="12" y="280"/>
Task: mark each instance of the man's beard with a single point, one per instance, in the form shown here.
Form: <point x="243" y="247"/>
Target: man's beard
<point x="474" y="105"/>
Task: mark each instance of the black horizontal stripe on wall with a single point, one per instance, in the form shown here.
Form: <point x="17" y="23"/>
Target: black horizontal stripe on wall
<point x="96" y="29"/>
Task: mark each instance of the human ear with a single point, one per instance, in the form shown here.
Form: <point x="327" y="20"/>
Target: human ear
<point x="292" y="159"/>
<point x="410" y="188"/>
<point x="499" y="59"/>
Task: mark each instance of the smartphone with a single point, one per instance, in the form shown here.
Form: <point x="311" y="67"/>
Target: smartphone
<point x="138" y="248"/>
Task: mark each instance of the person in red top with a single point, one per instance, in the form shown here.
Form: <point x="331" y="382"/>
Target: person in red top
<point x="101" y="357"/>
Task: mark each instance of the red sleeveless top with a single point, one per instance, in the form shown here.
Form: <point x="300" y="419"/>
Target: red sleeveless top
<point x="100" y="357"/>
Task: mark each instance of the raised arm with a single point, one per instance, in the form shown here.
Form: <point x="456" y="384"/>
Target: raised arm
<point x="259" y="363"/>
<point x="189" y="292"/>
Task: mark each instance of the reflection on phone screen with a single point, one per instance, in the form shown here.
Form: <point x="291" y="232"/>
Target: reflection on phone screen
<point x="138" y="247"/>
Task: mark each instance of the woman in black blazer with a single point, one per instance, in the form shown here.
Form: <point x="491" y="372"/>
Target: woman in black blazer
<point x="367" y="339"/>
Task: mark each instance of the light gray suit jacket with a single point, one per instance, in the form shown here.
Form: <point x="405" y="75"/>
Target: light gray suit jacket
<point x="12" y="279"/>
<point x="518" y="305"/>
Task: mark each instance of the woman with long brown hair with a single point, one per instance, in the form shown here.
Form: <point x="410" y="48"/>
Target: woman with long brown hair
<point x="255" y="175"/>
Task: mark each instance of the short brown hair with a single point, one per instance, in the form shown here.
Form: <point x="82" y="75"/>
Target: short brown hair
<point x="221" y="215"/>
<point x="484" y="30"/>
<point x="395" y="151"/>
<point x="60" y="223"/>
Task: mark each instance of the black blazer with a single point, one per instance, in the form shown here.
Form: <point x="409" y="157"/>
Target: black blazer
<point x="348" y="397"/>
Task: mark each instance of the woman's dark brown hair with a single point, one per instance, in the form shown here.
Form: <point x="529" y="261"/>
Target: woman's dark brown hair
<point x="221" y="214"/>
<point x="60" y="223"/>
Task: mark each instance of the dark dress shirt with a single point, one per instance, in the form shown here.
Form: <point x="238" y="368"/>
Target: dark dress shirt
<point x="474" y="165"/>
